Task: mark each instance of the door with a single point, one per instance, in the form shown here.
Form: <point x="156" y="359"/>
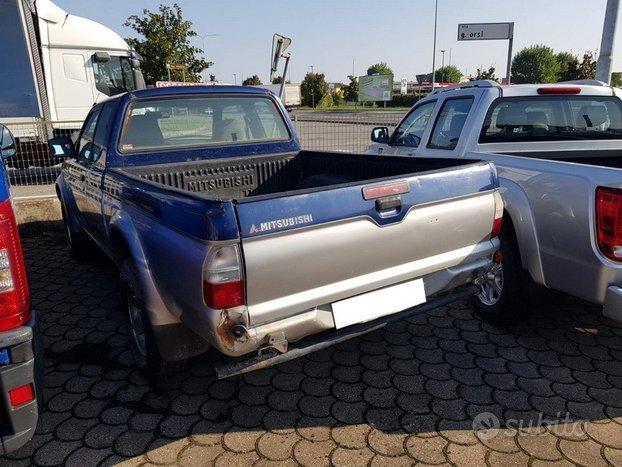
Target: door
<point x="77" y="170"/>
<point x="454" y="123"/>
<point x="95" y="163"/>
<point x="411" y="131"/>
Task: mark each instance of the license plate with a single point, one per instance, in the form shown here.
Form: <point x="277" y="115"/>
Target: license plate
<point x="372" y="305"/>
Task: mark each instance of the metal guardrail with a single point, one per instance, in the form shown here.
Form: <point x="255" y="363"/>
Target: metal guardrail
<point x="32" y="164"/>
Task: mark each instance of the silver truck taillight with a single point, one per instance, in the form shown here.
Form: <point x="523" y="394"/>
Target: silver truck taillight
<point x="497" y="223"/>
<point x="609" y="222"/>
<point x="223" y="281"/>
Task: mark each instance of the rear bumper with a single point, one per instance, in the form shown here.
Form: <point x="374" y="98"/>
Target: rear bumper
<point x="281" y="333"/>
<point x="612" y="308"/>
<point x="25" y="351"/>
<point x="322" y="341"/>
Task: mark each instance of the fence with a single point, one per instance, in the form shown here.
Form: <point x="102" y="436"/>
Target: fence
<point x="32" y="164"/>
<point x="341" y="131"/>
<point x="32" y="171"/>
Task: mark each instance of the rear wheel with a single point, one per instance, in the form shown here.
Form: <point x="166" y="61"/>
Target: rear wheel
<point x="141" y="338"/>
<point x="502" y="297"/>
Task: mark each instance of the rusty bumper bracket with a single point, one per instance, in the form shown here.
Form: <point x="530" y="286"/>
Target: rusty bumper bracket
<point x="329" y="338"/>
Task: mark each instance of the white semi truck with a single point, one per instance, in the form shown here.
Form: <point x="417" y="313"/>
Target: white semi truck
<point x="57" y="65"/>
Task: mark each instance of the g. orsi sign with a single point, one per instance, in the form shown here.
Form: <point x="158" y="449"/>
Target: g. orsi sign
<point x="490" y="32"/>
<point x="485" y="31"/>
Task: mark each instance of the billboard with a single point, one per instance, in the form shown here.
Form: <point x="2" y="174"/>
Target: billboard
<point x="375" y="88"/>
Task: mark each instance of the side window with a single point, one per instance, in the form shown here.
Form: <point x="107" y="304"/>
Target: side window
<point x="411" y="129"/>
<point x="102" y="131"/>
<point x="85" y="146"/>
<point x="270" y="121"/>
<point x="449" y="123"/>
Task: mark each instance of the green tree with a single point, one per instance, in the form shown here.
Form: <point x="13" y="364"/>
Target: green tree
<point x="339" y="95"/>
<point x="380" y="68"/>
<point x="326" y="101"/>
<point x="568" y="66"/>
<point x="448" y="74"/>
<point x="251" y="81"/>
<point x="351" y="92"/>
<point x="535" y="64"/>
<point x="616" y="79"/>
<point x="279" y="80"/>
<point x="164" y="37"/>
<point x="313" y="89"/>
<point x="587" y="67"/>
<point x="485" y="74"/>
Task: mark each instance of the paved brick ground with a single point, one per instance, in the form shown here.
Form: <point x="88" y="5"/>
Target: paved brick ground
<point x="403" y="395"/>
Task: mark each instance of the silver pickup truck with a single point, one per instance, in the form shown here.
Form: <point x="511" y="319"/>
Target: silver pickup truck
<point x="558" y="152"/>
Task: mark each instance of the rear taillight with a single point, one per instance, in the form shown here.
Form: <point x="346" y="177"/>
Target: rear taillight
<point x="21" y="395"/>
<point x="497" y="223"/>
<point x="14" y="294"/>
<point x="609" y="222"/>
<point x="223" y="281"/>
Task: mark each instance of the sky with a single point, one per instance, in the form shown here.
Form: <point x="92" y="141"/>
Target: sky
<point x="339" y="36"/>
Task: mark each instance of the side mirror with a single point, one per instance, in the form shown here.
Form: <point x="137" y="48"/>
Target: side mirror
<point x="380" y="134"/>
<point x="61" y="148"/>
<point x="7" y="143"/>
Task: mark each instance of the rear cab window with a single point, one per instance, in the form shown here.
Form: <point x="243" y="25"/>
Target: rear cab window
<point x="165" y="124"/>
<point x="450" y="122"/>
<point x="552" y="118"/>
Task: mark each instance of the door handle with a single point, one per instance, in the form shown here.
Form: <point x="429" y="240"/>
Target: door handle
<point x="388" y="206"/>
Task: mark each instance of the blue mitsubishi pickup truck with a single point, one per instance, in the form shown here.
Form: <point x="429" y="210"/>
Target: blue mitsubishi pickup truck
<point x="21" y="358"/>
<point x="227" y="234"/>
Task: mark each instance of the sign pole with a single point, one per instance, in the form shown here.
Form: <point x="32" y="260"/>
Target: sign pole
<point x="508" y="73"/>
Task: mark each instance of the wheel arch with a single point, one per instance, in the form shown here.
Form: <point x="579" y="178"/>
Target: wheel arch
<point x="519" y="217"/>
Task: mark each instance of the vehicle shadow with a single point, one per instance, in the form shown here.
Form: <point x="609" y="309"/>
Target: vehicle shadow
<point x="412" y="389"/>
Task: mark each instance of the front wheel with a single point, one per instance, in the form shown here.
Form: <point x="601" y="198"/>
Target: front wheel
<point x="501" y="298"/>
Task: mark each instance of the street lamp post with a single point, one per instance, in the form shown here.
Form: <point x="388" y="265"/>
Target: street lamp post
<point x="203" y="37"/>
<point x="442" y="77"/>
<point x="603" y="65"/>
<point x="235" y="79"/>
<point x="434" y="45"/>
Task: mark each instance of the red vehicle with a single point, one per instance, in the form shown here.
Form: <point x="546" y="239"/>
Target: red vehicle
<point x="21" y="371"/>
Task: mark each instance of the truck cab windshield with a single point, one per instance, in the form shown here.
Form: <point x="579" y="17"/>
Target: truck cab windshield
<point x="114" y="76"/>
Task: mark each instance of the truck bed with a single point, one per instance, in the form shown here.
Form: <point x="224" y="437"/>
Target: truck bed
<point x="600" y="157"/>
<point x="249" y="177"/>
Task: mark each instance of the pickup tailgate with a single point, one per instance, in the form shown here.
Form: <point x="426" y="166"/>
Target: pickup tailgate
<point x="304" y="250"/>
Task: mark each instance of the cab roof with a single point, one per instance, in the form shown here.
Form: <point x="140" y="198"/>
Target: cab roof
<point x="198" y="89"/>
<point x="588" y="87"/>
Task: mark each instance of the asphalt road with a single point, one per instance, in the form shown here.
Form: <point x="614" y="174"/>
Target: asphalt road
<point x="406" y="394"/>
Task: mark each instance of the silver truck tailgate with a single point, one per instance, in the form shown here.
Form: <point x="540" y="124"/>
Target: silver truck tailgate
<point x="297" y="258"/>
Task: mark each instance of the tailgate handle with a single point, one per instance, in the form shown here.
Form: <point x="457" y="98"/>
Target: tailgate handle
<point x="390" y="203"/>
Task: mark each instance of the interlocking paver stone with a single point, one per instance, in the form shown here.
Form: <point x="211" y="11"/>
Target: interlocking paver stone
<point x="550" y="389"/>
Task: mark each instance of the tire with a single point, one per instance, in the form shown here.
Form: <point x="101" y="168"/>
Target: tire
<point x="141" y="338"/>
<point x="80" y="245"/>
<point x="508" y="302"/>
